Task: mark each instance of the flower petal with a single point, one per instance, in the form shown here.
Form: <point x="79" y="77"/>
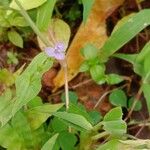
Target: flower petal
<point x="60" y="56"/>
<point x="50" y="51"/>
<point x="60" y="47"/>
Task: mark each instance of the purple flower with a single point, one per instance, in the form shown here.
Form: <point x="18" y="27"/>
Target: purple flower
<point x="58" y="51"/>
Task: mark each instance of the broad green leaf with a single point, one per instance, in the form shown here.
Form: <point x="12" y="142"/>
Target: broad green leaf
<point x="122" y="21"/>
<point x="49" y="145"/>
<point x="38" y="115"/>
<point x="84" y="66"/>
<point x="138" y="105"/>
<point x="113" y="79"/>
<point x="15" y="38"/>
<point x="117" y="144"/>
<point x="120" y="37"/>
<point x="76" y="109"/>
<point x="95" y="116"/>
<point x="7" y="132"/>
<point x="37" y="101"/>
<point x="97" y="72"/>
<point x="6" y="105"/>
<point x="28" y="84"/>
<point x="73" y="97"/>
<point x="113" y="122"/>
<point x="58" y="125"/>
<point x="22" y="128"/>
<point x="127" y="57"/>
<point x="27" y="4"/>
<point x="146" y="91"/>
<point x="90" y="51"/>
<point x="67" y="140"/>
<point x="74" y="120"/>
<point x="143" y="54"/>
<point x="140" y="61"/>
<point x="44" y="15"/>
<point x="3" y="20"/>
<point x="15" y="19"/>
<point x="147" y="67"/>
<point x="87" y="6"/>
<point x="118" y="98"/>
<point x="6" y="77"/>
<point x="110" y="145"/>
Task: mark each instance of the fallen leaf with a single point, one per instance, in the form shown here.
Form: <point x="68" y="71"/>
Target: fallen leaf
<point x="94" y="32"/>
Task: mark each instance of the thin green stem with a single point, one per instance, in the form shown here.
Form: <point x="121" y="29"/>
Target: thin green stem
<point x="100" y="135"/>
<point x="32" y="24"/>
<point x="66" y="84"/>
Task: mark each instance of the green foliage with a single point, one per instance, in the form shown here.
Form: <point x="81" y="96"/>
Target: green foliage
<point x="74" y="120"/>
<point x="113" y="122"/>
<point x="97" y="69"/>
<point x="27" y="4"/>
<point x="15" y="38"/>
<point x="44" y="15"/>
<point x="12" y="58"/>
<point x="28" y="85"/>
<point x="38" y="115"/>
<point x="118" y="98"/>
<point x="6" y="77"/>
<point x="73" y="97"/>
<point x="49" y="145"/>
<point x="120" y="37"/>
<point x="137" y="106"/>
<point x="87" y="8"/>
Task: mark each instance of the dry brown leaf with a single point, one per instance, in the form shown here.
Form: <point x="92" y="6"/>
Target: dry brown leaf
<point x="94" y="31"/>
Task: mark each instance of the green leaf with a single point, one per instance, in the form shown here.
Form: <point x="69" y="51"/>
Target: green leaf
<point x="67" y="140"/>
<point x="6" y="105"/>
<point x="27" y="4"/>
<point x="138" y="105"/>
<point x="77" y="109"/>
<point x="58" y="125"/>
<point x="28" y="84"/>
<point x="87" y="4"/>
<point x="15" y="38"/>
<point x="110" y="145"/>
<point x="49" y="145"/>
<point x="22" y="128"/>
<point x="146" y="91"/>
<point x="97" y="72"/>
<point x="118" y="98"/>
<point x="7" y="132"/>
<point x="84" y="66"/>
<point x="6" y="77"/>
<point x="74" y="120"/>
<point x="120" y="37"/>
<point x="37" y="101"/>
<point x="147" y="67"/>
<point x="90" y="51"/>
<point x="113" y="122"/>
<point x="38" y="115"/>
<point x="15" y="19"/>
<point x="44" y="15"/>
<point x="143" y="54"/>
<point x="127" y="57"/>
<point x="113" y="79"/>
<point x="73" y="97"/>
<point x="95" y="116"/>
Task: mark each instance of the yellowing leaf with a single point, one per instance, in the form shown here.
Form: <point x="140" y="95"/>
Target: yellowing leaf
<point x="94" y="32"/>
<point x="58" y="31"/>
